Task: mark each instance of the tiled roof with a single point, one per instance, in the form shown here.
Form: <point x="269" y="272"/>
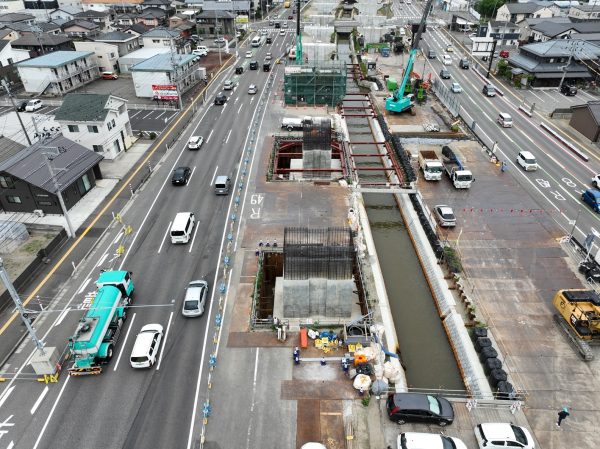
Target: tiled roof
<point x="83" y="108"/>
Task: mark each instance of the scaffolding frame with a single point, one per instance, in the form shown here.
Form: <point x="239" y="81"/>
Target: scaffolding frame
<point x="320" y="82"/>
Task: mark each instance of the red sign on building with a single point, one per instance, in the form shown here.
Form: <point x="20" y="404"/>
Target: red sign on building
<point x="165" y="91"/>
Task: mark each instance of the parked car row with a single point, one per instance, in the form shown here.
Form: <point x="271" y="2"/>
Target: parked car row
<point x="433" y="409"/>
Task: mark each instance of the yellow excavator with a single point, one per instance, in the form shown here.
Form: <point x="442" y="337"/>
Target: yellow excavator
<point x="580" y="318"/>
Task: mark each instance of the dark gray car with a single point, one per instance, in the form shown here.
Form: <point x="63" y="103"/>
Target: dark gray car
<point x="420" y="407"/>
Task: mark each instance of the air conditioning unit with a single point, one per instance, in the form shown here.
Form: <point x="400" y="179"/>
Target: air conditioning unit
<point x="38" y="212"/>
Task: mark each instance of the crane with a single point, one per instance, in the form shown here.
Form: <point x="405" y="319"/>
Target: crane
<point x="398" y="102"/>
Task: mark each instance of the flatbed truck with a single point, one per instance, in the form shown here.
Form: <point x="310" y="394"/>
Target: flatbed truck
<point x="430" y="164"/>
<point x="460" y="176"/>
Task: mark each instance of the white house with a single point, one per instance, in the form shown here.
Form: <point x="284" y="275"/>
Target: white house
<point x="9" y="55"/>
<point x="58" y="72"/>
<point x="65" y="12"/>
<point x="161" y="37"/>
<point x="165" y="69"/>
<point x="515" y="12"/>
<point x="98" y="122"/>
<point x="106" y="56"/>
<point x="135" y="57"/>
<point x="585" y="12"/>
<point x="11" y="6"/>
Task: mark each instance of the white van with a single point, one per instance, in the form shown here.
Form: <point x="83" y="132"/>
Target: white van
<point x="256" y="41"/>
<point x="222" y="185"/>
<point x="200" y="51"/>
<point x="505" y="120"/>
<point x="446" y="60"/>
<point x="182" y="227"/>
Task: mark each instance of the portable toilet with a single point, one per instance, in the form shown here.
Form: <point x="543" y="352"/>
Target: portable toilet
<point x="371" y="68"/>
<point x="391" y="84"/>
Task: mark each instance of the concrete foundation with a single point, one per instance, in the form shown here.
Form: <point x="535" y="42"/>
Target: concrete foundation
<point x="314" y="297"/>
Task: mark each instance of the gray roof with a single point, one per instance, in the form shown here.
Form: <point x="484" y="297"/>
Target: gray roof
<point x="139" y="28"/>
<point x="589" y="37"/>
<point x="162" y="63"/>
<point x="503" y="24"/>
<point x="69" y="9"/>
<point x="563" y="48"/>
<point x="161" y="32"/>
<point x="594" y="108"/>
<point x="30" y="164"/>
<point x="157" y="2"/>
<point x="115" y="36"/>
<point x="12" y="17"/>
<point x="80" y="23"/>
<point x="154" y="13"/>
<point x="586" y="7"/>
<point x="46" y="39"/>
<point x="552" y="29"/>
<point x="532" y="65"/>
<point x="8" y="148"/>
<point x="535" y="20"/>
<point x="83" y="108"/>
<point x="220" y="14"/>
<point x="55" y="59"/>
<point x="3" y="43"/>
<point x="525" y="8"/>
<point x="93" y="13"/>
<point x="28" y="28"/>
<point x="5" y="32"/>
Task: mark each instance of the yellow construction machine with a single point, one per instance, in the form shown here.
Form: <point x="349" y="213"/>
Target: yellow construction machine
<point x="579" y="317"/>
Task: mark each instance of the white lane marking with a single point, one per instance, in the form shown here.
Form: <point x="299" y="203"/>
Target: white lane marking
<point x="123" y="343"/>
<point x="117" y="237"/>
<point x="251" y="99"/>
<point x="83" y="286"/>
<point x="39" y="400"/>
<point x="190" y="180"/>
<point x="240" y="108"/>
<point x="225" y="225"/>
<point x="164" y="237"/>
<point x="62" y="390"/>
<point x="209" y="135"/>
<point x="537" y="96"/>
<point x="170" y="117"/>
<point x="194" y="237"/>
<point x="214" y="175"/>
<point x="160" y="115"/>
<point x="164" y="343"/>
<point x="135" y="113"/>
<point x="253" y="401"/>
<point x="228" y="134"/>
<point x="102" y="259"/>
<point x="148" y="115"/>
<point x="5" y="395"/>
<point x="61" y="317"/>
<point x="11" y="445"/>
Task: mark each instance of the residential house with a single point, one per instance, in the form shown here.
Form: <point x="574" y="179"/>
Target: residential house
<point x="136" y="29"/>
<point x="80" y="28"/>
<point x="41" y="44"/>
<point x="462" y="21"/>
<point x="165" y="69"/>
<point x="586" y="120"/>
<point x="165" y="5"/>
<point x="8" y="34"/>
<point x="515" y="12"/>
<point x="23" y="28"/>
<point x="165" y="38"/>
<point x="592" y="38"/>
<point x="106" y="56"/>
<point x="547" y="61"/>
<point x="98" y="122"/>
<point x="153" y="17"/>
<point x="584" y="12"/>
<point x="100" y="18"/>
<point x="547" y="31"/>
<point x="177" y="19"/>
<point x="40" y="9"/>
<point x="11" y="6"/>
<point x="505" y="33"/>
<point x="119" y="6"/>
<point x="213" y="22"/>
<point x="234" y="6"/>
<point x="140" y="55"/>
<point x="16" y="17"/>
<point x="9" y="55"/>
<point x="65" y="12"/>
<point x="525" y="26"/>
<point x="125" y="42"/>
<point x="561" y="7"/>
<point x="27" y="184"/>
<point x="58" y="72"/>
<point x="126" y="19"/>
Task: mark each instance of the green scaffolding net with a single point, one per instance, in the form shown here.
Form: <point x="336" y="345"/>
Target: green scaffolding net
<point x="316" y="83"/>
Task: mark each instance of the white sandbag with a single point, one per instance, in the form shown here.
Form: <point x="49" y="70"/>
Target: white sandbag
<point x="378" y="369"/>
<point x="313" y="334"/>
<point x="362" y="381"/>
<point x="392" y="368"/>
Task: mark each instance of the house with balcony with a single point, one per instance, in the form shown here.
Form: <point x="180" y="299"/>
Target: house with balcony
<point x="106" y="56"/>
<point x="526" y="25"/>
<point x="584" y="12"/>
<point x="26" y="183"/>
<point x="547" y="31"/>
<point x="57" y="73"/>
<point x="9" y="55"/>
<point x="504" y="33"/>
<point x="213" y="22"/>
<point x="79" y="28"/>
<point x="65" y="12"/>
<point x="165" y="5"/>
<point x="43" y="43"/>
<point x="100" y="18"/>
<point x="153" y="17"/>
<point x="11" y="6"/>
<point x="547" y="62"/>
<point x="126" y="19"/>
<point x="515" y="12"/>
<point x="165" y="38"/>
<point x="125" y="42"/>
<point x="98" y="122"/>
<point x="119" y="6"/>
<point x="165" y="69"/>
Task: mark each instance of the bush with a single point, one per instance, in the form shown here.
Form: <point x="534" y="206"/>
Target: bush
<point x="152" y="135"/>
<point x="452" y="260"/>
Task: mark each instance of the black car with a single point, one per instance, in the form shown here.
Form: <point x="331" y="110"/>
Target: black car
<point x="253" y="65"/>
<point x="445" y="74"/>
<point x="269" y="40"/>
<point x="277" y="25"/>
<point x="464" y="64"/>
<point x="267" y="67"/>
<point x="239" y="70"/>
<point x="181" y="175"/>
<point x="21" y="106"/>
<point x="221" y="98"/>
<point x="404" y="407"/>
<point x="568" y="90"/>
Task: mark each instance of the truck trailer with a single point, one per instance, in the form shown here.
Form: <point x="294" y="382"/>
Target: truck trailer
<point x="94" y="341"/>
<point x="431" y="165"/>
<point x="460" y="176"/>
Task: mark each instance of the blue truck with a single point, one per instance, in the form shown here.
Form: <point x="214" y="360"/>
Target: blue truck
<point x="94" y="341"/>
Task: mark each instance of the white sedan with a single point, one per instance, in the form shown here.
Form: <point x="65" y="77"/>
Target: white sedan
<point x="249" y="54"/>
<point x="456" y="88"/>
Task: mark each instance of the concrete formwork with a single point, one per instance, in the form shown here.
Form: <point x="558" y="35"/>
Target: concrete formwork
<point x="318" y="33"/>
<point x="318" y="51"/>
<point x="372" y="21"/>
<point x="324" y="7"/>
<point x="373" y="35"/>
<point x="322" y="19"/>
<point x="368" y="7"/>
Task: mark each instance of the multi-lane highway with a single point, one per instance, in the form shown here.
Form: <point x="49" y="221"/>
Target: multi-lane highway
<point x="158" y="407"/>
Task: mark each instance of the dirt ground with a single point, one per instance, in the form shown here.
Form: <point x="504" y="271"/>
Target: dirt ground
<point x="21" y="257"/>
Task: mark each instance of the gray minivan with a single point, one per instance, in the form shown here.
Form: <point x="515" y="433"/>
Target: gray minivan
<point x="222" y="185"/>
<point x="195" y="299"/>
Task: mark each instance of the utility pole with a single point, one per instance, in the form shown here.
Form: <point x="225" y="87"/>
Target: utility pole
<point x="23" y="313"/>
<point x="487" y="75"/>
<point x="175" y="78"/>
<point x="38" y="34"/>
<point x="49" y="154"/>
<point x="217" y="33"/>
<point x="565" y="67"/>
<point x="12" y="100"/>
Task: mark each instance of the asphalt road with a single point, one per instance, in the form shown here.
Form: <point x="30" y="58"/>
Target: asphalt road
<point x="562" y="177"/>
<point x="126" y="408"/>
<point x="150" y="120"/>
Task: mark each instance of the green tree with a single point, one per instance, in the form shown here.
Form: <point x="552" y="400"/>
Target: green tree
<point x="488" y="8"/>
